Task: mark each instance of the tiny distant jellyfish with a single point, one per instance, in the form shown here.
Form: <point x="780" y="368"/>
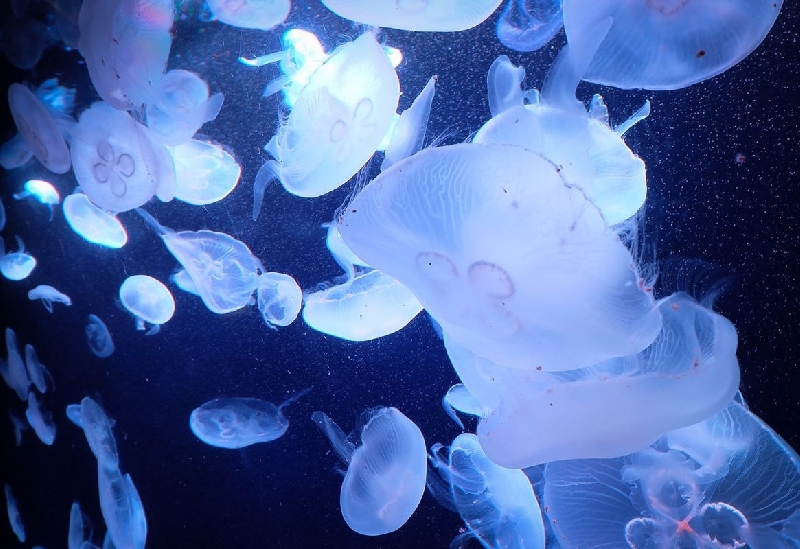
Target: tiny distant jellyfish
<point x="98" y="337"/>
<point x="739" y="159"/>
<point x="42" y="191"/>
<point x="16" y="265"/>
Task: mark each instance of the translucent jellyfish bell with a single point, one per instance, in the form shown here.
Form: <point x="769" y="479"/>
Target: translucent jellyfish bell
<point x="49" y="295"/>
<point x="497" y="504"/>
<point x="16" y="265"/>
<point x="251" y="14"/>
<point x="97" y="426"/>
<point x="439" y="16"/>
<point x="118" y="162"/>
<point x="336" y="125"/>
<point x="122" y="508"/>
<point x="40" y="419"/>
<point x="93" y="224"/>
<point x="41" y="190"/>
<point x="148" y="300"/>
<point x="38" y="129"/>
<point x="525" y="275"/>
<point x="205" y="173"/>
<point x="98" y="337"/>
<point x="279" y="299"/>
<point x="385" y="476"/>
<point x="14" y="518"/>
<point x="223" y="270"/>
<point x="238" y="422"/>
<point x="527" y="25"/>
<point x="666" y="45"/>
<point x="13" y="369"/>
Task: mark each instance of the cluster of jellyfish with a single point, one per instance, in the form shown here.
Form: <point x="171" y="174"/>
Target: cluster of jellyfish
<point x="605" y="417"/>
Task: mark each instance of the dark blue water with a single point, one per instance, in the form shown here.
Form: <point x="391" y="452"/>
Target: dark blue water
<point x="709" y="218"/>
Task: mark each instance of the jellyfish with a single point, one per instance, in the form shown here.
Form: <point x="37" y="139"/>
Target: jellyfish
<point x="336" y="125"/>
<point x="38" y="373"/>
<point x="148" y="300"/>
<point x="49" y="295"/>
<point x="14" y="153"/>
<point x="498" y="505"/>
<point x="79" y="528"/>
<point x="14" y="518"/>
<point x="251" y="14"/>
<point x="13" y="370"/>
<point x="93" y="224"/>
<point x="527" y="25"/>
<point x="23" y="41"/>
<point x="665" y="45"/>
<point x="440" y="16"/>
<point x="19" y="423"/>
<point x="98" y="337"/>
<point x="40" y="419"/>
<point x="181" y="106"/>
<point x="122" y="508"/>
<point x="16" y="265"/>
<point x="119" y="163"/>
<point x="385" y="476"/>
<point x="223" y="270"/>
<point x="408" y="133"/>
<point x="125" y="45"/>
<point x="524" y="275"/>
<point x="42" y="191"/>
<point x="2" y="216"/>
<point x="367" y="306"/>
<point x="204" y="172"/>
<point x="610" y="409"/>
<point x="279" y="299"/>
<point x="301" y="56"/>
<point x="669" y="495"/>
<point x="587" y="151"/>
<point x="38" y="129"/>
<point x="97" y="426"/>
<point x="237" y="422"/>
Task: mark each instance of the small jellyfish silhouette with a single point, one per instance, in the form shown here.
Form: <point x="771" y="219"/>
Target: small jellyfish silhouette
<point x="49" y="295"/>
<point x="238" y="422"/>
<point x="43" y="191"/>
<point x="16" y="265"/>
<point x="98" y="337"/>
<point x="14" y="518"/>
<point x="38" y="129"/>
<point x="93" y="224"/>
<point x="527" y="25"/>
<point x="279" y="299"/>
<point x="205" y="173"/>
<point x="148" y="300"/>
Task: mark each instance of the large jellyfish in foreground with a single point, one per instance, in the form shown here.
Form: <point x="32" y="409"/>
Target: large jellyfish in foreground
<point x="441" y="15"/>
<point x="385" y="476"/>
<point x="727" y="482"/>
<point x="665" y="45"/>
<point x="148" y="300"/>
<point x="687" y="374"/>
<point x="497" y="504"/>
<point x="337" y="123"/>
<point x="238" y="422"/>
<point x="527" y="275"/>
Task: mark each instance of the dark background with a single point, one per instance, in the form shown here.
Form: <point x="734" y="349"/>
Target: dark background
<point x="710" y="222"/>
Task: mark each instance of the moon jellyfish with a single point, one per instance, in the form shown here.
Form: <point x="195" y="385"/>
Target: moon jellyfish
<point x="385" y="476"/>
<point x="22" y="40"/>
<point x="439" y="16"/>
<point x="97" y="426"/>
<point x="204" y="172"/>
<point x="119" y="163"/>
<point x="336" y="125"/>
<point x="14" y="518"/>
<point x="587" y="151"/>
<point x="40" y="419"/>
<point x="42" y="191"/>
<point x="610" y="409"/>
<point x="16" y="265"/>
<point x="301" y="56"/>
<point x="251" y="14"/>
<point x="122" y="509"/>
<point x="223" y="270"/>
<point x="527" y="25"/>
<point x="182" y="104"/>
<point x="498" y="505"/>
<point x="238" y="422"/>
<point x="93" y="224"/>
<point x="98" y="337"/>
<point x="408" y="133"/>
<point x="20" y="424"/>
<point x="49" y="295"/>
<point x="279" y="299"/>
<point x="367" y="306"/>
<point x="666" y="45"/>
<point x="2" y="216"/>
<point x="79" y="528"/>
<point x="38" y="129"/>
<point x="13" y="370"/>
<point x="671" y="495"/>
<point x="524" y="275"/>
<point x="148" y="300"/>
<point x="38" y="373"/>
<point x="126" y="45"/>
